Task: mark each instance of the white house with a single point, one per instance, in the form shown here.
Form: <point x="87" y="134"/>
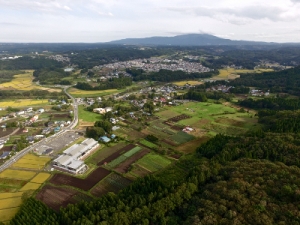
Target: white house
<point x="41" y="110"/>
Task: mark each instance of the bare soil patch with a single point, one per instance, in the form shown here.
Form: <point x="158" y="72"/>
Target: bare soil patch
<point x="124" y="166"/>
<point x="231" y="122"/>
<point x="178" y="118"/>
<point x="55" y="197"/>
<point x="139" y="171"/>
<point x="84" y="184"/>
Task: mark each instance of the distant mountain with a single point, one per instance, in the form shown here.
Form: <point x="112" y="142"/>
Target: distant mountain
<point x="186" y="40"/>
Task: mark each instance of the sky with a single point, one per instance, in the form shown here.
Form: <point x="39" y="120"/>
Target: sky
<point x="105" y="20"/>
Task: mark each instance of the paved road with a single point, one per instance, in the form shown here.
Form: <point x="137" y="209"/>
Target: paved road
<point x="23" y="152"/>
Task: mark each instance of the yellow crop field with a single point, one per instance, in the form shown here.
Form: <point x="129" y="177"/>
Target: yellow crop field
<point x="31" y="161"/>
<point x="8" y="214"/>
<point x="24" y="82"/>
<point x="10" y="203"/>
<point x="30" y="186"/>
<point x="17" y="174"/>
<point x="23" y="103"/>
<point x="10" y="195"/>
<point x="74" y="91"/>
<point x="190" y="82"/>
<point x="231" y="73"/>
<point x="40" y="178"/>
<point x="35" y="158"/>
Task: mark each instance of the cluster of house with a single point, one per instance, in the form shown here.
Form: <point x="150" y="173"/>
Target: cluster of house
<point x="4" y="154"/>
<point x="55" y="126"/>
<point x="106" y="139"/>
<point x="31" y="139"/>
<point x="155" y="64"/>
<point x="11" y="57"/>
<point x="88" y="101"/>
<point x="72" y="158"/>
<point x="59" y="58"/>
<point x="256" y="92"/>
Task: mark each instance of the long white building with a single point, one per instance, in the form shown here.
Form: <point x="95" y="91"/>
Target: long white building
<point x="71" y="159"/>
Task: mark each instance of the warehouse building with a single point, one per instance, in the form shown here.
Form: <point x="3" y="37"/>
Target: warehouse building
<point x="71" y="159"/>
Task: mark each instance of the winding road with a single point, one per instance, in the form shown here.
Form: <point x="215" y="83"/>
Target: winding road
<point x="23" y="152"/>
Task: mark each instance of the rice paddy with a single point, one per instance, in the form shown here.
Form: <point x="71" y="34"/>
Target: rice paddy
<point x="17" y="174"/>
<point x="8" y="214"/>
<point x="30" y="186"/>
<point x="231" y="73"/>
<point x="23" y="103"/>
<point x="10" y="203"/>
<point x="190" y="82"/>
<point x="40" y="178"/>
<point x="31" y="161"/>
<point x="81" y="93"/>
<point x="24" y="82"/>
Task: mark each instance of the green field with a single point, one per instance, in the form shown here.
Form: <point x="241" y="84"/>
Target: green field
<point x="182" y="137"/>
<point x="87" y="116"/>
<point x="153" y="162"/>
<point x="123" y="157"/>
<point x="81" y="93"/>
<point x="148" y="144"/>
<point x="211" y="117"/>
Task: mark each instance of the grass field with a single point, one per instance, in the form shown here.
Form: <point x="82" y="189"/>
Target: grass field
<point x="182" y="137"/>
<point x="153" y="162"/>
<point x="8" y="214"/>
<point x="24" y="82"/>
<point x="81" y="93"/>
<point x="30" y="186"/>
<point x="17" y="174"/>
<point x="87" y="116"/>
<point x="190" y="82"/>
<point x="232" y="73"/>
<point x="23" y="103"/>
<point x="40" y="178"/>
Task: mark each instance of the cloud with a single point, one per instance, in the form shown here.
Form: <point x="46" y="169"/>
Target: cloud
<point x="242" y="15"/>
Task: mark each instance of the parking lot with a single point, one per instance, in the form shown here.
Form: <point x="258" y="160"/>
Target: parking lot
<point x="54" y="144"/>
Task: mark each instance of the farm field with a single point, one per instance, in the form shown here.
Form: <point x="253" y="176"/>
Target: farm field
<point x="206" y="117"/>
<point x="10" y="203"/>
<point x="24" y="82"/>
<point x="148" y="144"/>
<point x="23" y="103"/>
<point x="190" y="82"/>
<point x="30" y="186"/>
<point x="83" y="184"/>
<point x="30" y="161"/>
<point x="125" y="166"/>
<point x="8" y="214"/>
<point x="56" y="197"/>
<point x="81" y="93"/>
<point x="153" y="162"/>
<point x="181" y="137"/>
<point x="40" y="178"/>
<point x="112" y="183"/>
<point x="123" y="157"/>
<point x="104" y="153"/>
<point x="232" y="73"/>
<point x="17" y="174"/>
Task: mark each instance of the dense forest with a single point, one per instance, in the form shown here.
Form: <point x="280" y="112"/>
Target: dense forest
<point x="113" y="83"/>
<point x="30" y="94"/>
<point x="49" y="76"/>
<point x="28" y="62"/>
<point x="287" y="81"/>
<point x="167" y="75"/>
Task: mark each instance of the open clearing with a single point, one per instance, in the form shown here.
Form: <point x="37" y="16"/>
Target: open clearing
<point x="190" y="82"/>
<point x="17" y="174"/>
<point x="81" y="93"/>
<point x="231" y="73"/>
<point x="87" y="116"/>
<point x="24" y="82"/>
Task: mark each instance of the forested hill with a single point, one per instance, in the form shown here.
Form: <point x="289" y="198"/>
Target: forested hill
<point x="287" y="81"/>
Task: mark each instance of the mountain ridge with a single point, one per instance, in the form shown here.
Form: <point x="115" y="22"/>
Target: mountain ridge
<point x="189" y="40"/>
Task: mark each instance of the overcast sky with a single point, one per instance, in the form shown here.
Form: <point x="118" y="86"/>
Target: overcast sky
<point x="105" y="20"/>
